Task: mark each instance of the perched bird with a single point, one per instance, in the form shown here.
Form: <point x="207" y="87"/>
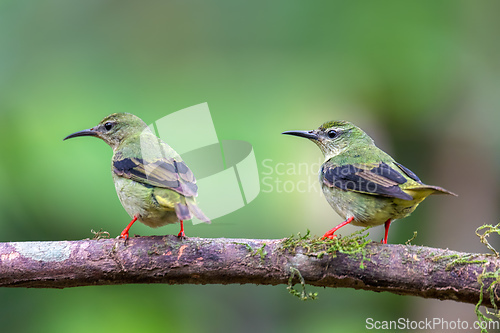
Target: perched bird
<point x="153" y="183"/>
<point x="362" y="183"/>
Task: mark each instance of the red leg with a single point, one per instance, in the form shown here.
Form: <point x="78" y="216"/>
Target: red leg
<point x="124" y="233"/>
<point x="387" y="224"/>
<point x="181" y="233"/>
<point x="330" y="233"/>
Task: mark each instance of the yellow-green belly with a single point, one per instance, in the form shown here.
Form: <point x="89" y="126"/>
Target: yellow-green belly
<point x="139" y="200"/>
<point x="371" y="210"/>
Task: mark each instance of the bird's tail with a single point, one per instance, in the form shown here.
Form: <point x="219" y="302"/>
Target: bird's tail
<point x="187" y="209"/>
<point x="197" y="211"/>
<point x="433" y="190"/>
<point x="440" y="190"/>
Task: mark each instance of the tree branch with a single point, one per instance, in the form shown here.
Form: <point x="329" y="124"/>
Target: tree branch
<point x="407" y="270"/>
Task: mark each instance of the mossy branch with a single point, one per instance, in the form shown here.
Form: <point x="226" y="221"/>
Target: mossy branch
<point x="351" y="262"/>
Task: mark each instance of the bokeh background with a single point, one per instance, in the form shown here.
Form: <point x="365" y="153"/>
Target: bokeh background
<point x="421" y="77"/>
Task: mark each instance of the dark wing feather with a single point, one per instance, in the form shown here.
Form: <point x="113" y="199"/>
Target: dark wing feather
<point x="165" y="173"/>
<point x="408" y="172"/>
<point x="377" y="179"/>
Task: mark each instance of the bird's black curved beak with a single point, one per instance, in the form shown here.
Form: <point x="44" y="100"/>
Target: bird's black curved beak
<point x="87" y="132"/>
<point x="311" y="135"/>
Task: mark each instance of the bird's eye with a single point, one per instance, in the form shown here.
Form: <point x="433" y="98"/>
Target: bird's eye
<point x="108" y="126"/>
<point x="331" y="134"/>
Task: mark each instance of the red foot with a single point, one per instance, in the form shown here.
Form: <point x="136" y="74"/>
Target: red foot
<point x="330" y="233"/>
<point x="181" y="233"/>
<point x="124" y="233"/>
<point x="387" y="224"/>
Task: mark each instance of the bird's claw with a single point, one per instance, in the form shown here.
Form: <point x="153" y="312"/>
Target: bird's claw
<point x="181" y="234"/>
<point x="329" y="235"/>
<point x="123" y="236"/>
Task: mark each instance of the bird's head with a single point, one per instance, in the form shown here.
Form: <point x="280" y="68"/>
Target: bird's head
<point x="335" y="137"/>
<point x="114" y="128"/>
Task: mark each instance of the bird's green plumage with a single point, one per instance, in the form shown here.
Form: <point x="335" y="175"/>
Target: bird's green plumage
<point x="360" y="180"/>
<point x="152" y="181"/>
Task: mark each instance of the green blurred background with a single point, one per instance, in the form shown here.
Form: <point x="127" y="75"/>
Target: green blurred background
<point x="421" y="77"/>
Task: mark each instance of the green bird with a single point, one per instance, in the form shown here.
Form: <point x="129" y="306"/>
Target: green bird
<point x="362" y="183"/>
<point x="153" y="184"/>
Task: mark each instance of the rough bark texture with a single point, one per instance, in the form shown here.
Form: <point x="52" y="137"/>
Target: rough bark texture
<point x="400" y="269"/>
